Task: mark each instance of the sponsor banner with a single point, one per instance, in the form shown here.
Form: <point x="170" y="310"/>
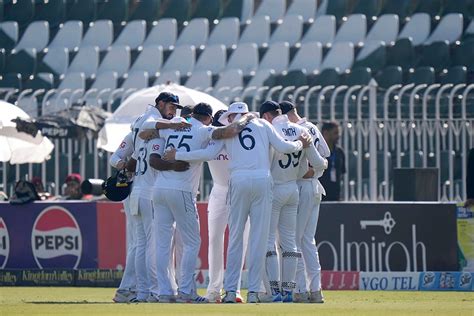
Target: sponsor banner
<point x="49" y="277"/>
<point x="387" y="237"/>
<point x="111" y="238"/>
<point x="465" y="227"/>
<point x="98" y="277"/>
<point x="48" y="235"/>
<point x="339" y="280"/>
<point x="9" y="277"/>
<point x="392" y="281"/>
<point x="446" y="281"/>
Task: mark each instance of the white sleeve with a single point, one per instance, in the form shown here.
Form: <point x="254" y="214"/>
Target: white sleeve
<point x="314" y="158"/>
<point x="320" y="143"/>
<point x="150" y="122"/>
<point x="206" y="133"/>
<point x="156" y="146"/>
<point x="281" y="145"/>
<point x="124" y="151"/>
<point x="210" y="152"/>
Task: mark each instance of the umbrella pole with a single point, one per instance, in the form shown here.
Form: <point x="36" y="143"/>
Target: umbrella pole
<point x="69" y="156"/>
<point x="30" y="171"/>
<point x="83" y="158"/>
<point x="43" y="175"/>
<point x="96" y="161"/>
<point x="56" y="168"/>
<point x="4" y="176"/>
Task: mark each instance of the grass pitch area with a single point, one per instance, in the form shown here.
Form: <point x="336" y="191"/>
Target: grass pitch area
<point x="93" y="301"/>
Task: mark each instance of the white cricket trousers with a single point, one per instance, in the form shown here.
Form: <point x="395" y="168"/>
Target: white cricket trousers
<point x="145" y="259"/>
<point x="248" y="197"/>
<point x="283" y="235"/>
<point x="129" y="281"/>
<point x="217" y="217"/>
<point x="176" y="206"/>
<point x="308" y="272"/>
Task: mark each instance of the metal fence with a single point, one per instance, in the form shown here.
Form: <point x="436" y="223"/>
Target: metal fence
<point x="402" y="126"/>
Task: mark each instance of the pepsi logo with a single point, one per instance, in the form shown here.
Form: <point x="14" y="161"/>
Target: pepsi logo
<point x="4" y="244"/>
<point x="56" y="239"/>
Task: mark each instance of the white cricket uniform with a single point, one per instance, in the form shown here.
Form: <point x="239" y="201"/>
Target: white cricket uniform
<point x="141" y="197"/>
<point x="250" y="195"/>
<point x="285" y="169"/>
<point x="218" y="210"/>
<point x="174" y="200"/>
<point x="308" y="272"/>
<point x="129" y="281"/>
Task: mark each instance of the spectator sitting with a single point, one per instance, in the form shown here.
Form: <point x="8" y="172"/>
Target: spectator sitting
<point x="72" y="190"/>
<point x="42" y="193"/>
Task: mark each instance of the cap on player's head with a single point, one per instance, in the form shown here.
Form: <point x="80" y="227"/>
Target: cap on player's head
<point x="268" y="106"/>
<point x="168" y="97"/>
<point x="234" y="108"/>
<point x="286" y="106"/>
<point x="203" y="109"/>
<point x="187" y="111"/>
<point x="217" y="116"/>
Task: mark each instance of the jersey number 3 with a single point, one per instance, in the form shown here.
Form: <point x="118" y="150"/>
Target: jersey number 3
<point x="247" y="141"/>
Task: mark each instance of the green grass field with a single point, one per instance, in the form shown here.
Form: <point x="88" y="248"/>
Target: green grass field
<point x="93" y="301"/>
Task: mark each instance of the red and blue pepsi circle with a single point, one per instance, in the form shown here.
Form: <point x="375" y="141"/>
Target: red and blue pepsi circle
<point x="56" y="239"/>
<point x="4" y="244"/>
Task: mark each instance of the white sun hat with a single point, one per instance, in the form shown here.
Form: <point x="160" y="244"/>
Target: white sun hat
<point x="236" y="107"/>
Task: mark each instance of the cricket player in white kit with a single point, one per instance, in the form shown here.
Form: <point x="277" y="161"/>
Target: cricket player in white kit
<point x="250" y="195"/>
<point x="127" y="289"/>
<point x="284" y="169"/>
<point x="218" y="210"/>
<point x="308" y="275"/>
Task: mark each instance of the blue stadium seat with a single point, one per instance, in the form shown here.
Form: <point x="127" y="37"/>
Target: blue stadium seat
<point x="22" y="62"/>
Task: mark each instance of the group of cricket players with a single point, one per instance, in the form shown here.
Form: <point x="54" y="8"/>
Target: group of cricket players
<point x="265" y="168"/>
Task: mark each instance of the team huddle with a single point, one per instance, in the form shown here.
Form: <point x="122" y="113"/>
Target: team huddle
<point x="265" y="171"/>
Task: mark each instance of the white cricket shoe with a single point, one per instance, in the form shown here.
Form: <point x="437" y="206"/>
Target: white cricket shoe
<point x="252" y="297"/>
<point x="214" y="297"/>
<point x="190" y="298"/>
<point x="301" y="297"/>
<point x="153" y="298"/>
<point x="238" y="297"/>
<point x="316" y="297"/>
<point x="124" y="296"/>
<point x="230" y="297"/>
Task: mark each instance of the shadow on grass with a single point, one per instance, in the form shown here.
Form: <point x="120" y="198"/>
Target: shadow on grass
<point x="67" y="303"/>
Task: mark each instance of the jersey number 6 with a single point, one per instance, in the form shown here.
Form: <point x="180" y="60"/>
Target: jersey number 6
<point x="246" y="139"/>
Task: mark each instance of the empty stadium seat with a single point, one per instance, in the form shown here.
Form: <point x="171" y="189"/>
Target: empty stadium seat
<point x="69" y="36"/>
<point x="113" y="10"/>
<point x="401" y="54"/>
<point x="59" y="101"/>
<point x="357" y="76"/>
<point x="42" y="80"/>
<point x="212" y="59"/>
<point x="257" y="31"/>
<point x="431" y="7"/>
<point x="373" y="55"/>
<point x="200" y="80"/>
<point x="178" y="9"/>
<point x="150" y="60"/>
<point x="276" y="58"/>
<point x="244" y="57"/>
<point x="10" y="80"/>
<point x="83" y="10"/>
<point x="418" y="28"/>
<point x="163" y="34"/>
<point x="21" y="11"/>
<point x="226" y="32"/>
<point x="86" y="61"/>
<point x="323" y="30"/>
<point x="340" y="57"/>
<point x="305" y="8"/>
<point x="229" y="78"/>
<point x="449" y="29"/>
<point x="132" y="35"/>
<point x="233" y="8"/>
<point x="209" y="9"/>
<point x="385" y="29"/>
<point x="402" y="8"/>
<point x="22" y="62"/>
<point x="117" y="60"/>
<point x="8" y="34"/>
<point x="389" y="76"/>
<point x="462" y="55"/>
<point x="53" y="11"/>
<point x="100" y="34"/>
<point x="327" y="77"/>
<point x="274" y="9"/>
<point x="308" y="57"/>
<point x="421" y="75"/>
<point x="195" y="33"/>
<point x="353" y="30"/>
<point x="290" y="30"/>
<point x="36" y="36"/>
<point x="295" y="78"/>
<point x="182" y="59"/>
<point x="148" y="10"/>
<point x="29" y="102"/>
<point x="436" y="55"/>
<point x="168" y="76"/>
<point x="454" y="75"/>
<point x="55" y="61"/>
<point x="135" y="79"/>
<point x="103" y="85"/>
<point x="258" y="80"/>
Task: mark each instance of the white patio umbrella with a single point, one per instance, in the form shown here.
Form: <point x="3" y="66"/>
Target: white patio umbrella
<point x="118" y="125"/>
<point x="18" y="147"/>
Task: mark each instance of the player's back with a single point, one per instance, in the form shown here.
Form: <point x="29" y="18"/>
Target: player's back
<point x="184" y="139"/>
<point x="145" y="175"/>
<point x="285" y="167"/>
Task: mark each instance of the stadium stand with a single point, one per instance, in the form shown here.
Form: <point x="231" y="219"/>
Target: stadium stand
<point x="55" y="53"/>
